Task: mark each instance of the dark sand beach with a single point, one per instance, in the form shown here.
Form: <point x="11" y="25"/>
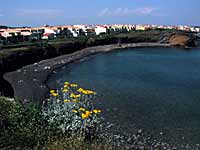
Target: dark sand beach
<point x="28" y="82"/>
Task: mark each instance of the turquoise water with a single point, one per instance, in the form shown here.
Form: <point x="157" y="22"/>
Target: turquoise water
<point x="155" y="89"/>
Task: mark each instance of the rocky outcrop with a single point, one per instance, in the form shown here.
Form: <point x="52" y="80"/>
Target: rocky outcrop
<point x="182" y="40"/>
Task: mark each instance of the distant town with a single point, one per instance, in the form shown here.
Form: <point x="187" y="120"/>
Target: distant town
<point x="11" y="35"/>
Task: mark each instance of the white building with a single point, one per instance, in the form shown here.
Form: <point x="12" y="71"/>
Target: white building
<point x="140" y="27"/>
<point x="48" y="36"/>
<point x="100" y="29"/>
<point x="197" y="29"/>
<point x="73" y="31"/>
<point x="83" y="27"/>
<point x="5" y="34"/>
<point x="26" y="33"/>
<point x="47" y="30"/>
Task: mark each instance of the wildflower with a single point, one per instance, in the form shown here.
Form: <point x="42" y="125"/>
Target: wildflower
<point x="73" y="85"/>
<point x="84" y="92"/>
<point x="82" y="109"/>
<point x="65" y="90"/>
<point x="72" y="95"/>
<point x="88" y="113"/>
<point x="75" y="100"/>
<point x="67" y="83"/>
<point x="55" y="94"/>
<point x="97" y="111"/>
<point x="66" y="86"/>
<point x="84" y="116"/>
<point x="52" y="91"/>
<point x="78" y="96"/>
<point x="80" y="90"/>
<point x="91" y="92"/>
<point x="66" y="100"/>
<point x="74" y="111"/>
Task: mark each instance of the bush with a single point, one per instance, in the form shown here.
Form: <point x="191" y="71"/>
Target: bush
<point x="68" y="114"/>
<point x="70" y="110"/>
<point x="23" y="126"/>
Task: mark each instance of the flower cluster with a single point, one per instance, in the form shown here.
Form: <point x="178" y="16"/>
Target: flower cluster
<point x="71" y="109"/>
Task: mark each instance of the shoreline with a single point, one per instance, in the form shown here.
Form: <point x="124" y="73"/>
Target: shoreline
<point x="28" y="82"/>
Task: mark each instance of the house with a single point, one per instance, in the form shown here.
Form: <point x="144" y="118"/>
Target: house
<point x="197" y="29"/>
<point x="49" y="30"/>
<point x="5" y="34"/>
<point x="100" y="29"/>
<point x="48" y="36"/>
<point x="73" y="31"/>
<point x="140" y="28"/>
<point x="1" y="41"/>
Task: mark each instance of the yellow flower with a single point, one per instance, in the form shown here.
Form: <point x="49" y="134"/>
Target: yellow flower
<point x="88" y="113"/>
<point x="84" y="92"/>
<point x="84" y="116"/>
<point x="78" y="96"/>
<point x="65" y="90"/>
<point x="52" y="91"/>
<point x="82" y="109"/>
<point x="97" y="111"/>
<point x="91" y="92"/>
<point x="66" y="100"/>
<point x="73" y="85"/>
<point x="66" y="86"/>
<point x="75" y="100"/>
<point x="55" y="94"/>
<point x="88" y="92"/>
<point x="72" y="95"/>
<point x="80" y="90"/>
<point x="74" y="111"/>
<point x="67" y="83"/>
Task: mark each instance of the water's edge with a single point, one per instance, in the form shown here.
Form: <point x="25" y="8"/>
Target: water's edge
<point x="29" y="83"/>
<point x="154" y="79"/>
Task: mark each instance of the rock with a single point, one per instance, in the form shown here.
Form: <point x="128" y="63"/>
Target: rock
<point x="42" y="86"/>
<point x="109" y="126"/>
<point x="47" y="67"/>
<point x="20" y="81"/>
<point x="140" y="131"/>
<point x="182" y="40"/>
<point x="35" y="80"/>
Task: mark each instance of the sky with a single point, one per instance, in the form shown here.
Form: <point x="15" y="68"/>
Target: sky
<point x="66" y="12"/>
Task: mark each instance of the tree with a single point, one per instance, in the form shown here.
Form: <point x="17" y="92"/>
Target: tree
<point x="81" y="32"/>
<point x="66" y="33"/>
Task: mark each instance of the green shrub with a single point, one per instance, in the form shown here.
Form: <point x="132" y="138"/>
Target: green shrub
<point x="22" y="126"/>
<point x="68" y="114"/>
